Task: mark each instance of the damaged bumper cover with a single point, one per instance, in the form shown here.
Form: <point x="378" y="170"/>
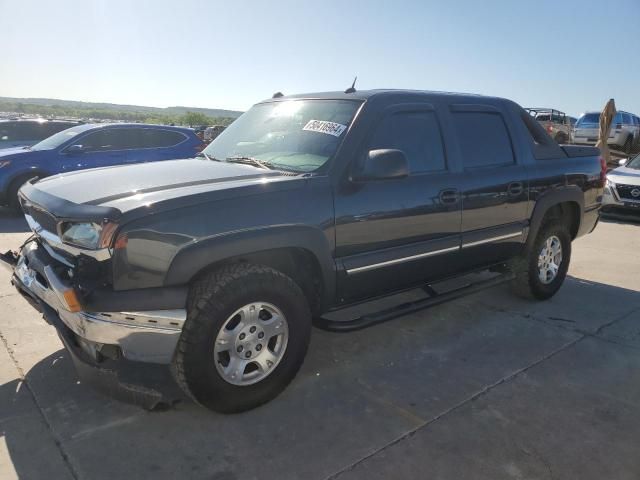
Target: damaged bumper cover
<point x="124" y="354"/>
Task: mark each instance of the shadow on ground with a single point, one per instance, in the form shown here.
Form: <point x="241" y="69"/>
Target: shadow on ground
<point x="631" y="218"/>
<point x="362" y="393"/>
<point x="11" y="222"/>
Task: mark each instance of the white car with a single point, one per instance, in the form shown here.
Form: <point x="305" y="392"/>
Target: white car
<point x="622" y="191"/>
<point x="624" y="134"/>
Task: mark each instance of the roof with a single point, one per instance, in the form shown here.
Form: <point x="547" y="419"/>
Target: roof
<point x="368" y="94"/>
<point x="118" y="125"/>
<point x="39" y="120"/>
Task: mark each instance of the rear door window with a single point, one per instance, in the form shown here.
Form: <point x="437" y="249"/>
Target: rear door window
<point x="156" y="138"/>
<point x="417" y="134"/>
<point x="483" y="138"/>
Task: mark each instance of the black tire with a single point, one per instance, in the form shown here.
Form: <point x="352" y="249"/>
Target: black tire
<point x="212" y="300"/>
<point x="527" y="283"/>
<point x="561" y="138"/>
<point x="628" y="145"/>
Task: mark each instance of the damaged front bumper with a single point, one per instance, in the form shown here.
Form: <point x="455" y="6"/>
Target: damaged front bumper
<point x="124" y="354"/>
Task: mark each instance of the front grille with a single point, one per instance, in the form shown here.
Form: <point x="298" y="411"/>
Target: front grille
<point x="624" y="191"/>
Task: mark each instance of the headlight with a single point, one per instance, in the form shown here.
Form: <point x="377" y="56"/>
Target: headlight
<point x="87" y="234"/>
<point x="610" y="184"/>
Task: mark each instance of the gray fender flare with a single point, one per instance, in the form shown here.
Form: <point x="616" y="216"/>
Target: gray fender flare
<point x="197" y="256"/>
<point x="550" y="199"/>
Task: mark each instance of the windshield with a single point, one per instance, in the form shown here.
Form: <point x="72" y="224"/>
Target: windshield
<point x="54" y="141"/>
<point x="634" y="163"/>
<point x="295" y="135"/>
<point x="589" y="120"/>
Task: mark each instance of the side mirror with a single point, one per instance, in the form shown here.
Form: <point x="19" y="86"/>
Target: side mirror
<point x="385" y="164"/>
<point x="623" y="161"/>
<point x="75" y="149"/>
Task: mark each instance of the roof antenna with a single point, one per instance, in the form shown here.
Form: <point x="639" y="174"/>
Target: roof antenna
<point x="277" y="95"/>
<point x="352" y="88"/>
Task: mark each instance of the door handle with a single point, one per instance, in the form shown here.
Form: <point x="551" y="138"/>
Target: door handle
<point x="515" y="189"/>
<point x="449" y="196"/>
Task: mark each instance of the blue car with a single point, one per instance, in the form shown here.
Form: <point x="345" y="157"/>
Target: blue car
<point x="92" y="146"/>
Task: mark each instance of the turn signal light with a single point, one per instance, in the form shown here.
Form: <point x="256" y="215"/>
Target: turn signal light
<point x="72" y="300"/>
<point x="121" y="242"/>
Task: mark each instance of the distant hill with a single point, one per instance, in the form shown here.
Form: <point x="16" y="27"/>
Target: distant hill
<point x="73" y="104"/>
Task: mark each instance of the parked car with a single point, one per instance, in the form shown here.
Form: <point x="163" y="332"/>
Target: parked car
<point x="624" y="134"/>
<point x="91" y="146"/>
<point x="304" y="205"/>
<point x="557" y="124"/>
<point x="622" y="192"/>
<point x="212" y="132"/>
<point x="22" y="133"/>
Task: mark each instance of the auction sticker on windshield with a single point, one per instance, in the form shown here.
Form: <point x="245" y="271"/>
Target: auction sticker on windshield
<point x="321" y="126"/>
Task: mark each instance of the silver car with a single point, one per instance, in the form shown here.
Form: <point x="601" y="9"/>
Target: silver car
<point x="624" y="134"/>
<point x="622" y="191"/>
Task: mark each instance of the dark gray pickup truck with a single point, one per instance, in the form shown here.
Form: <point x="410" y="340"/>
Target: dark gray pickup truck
<point x="218" y="265"/>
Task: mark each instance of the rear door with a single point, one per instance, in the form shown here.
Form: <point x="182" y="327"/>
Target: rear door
<point x="394" y="233"/>
<point x="494" y="185"/>
<point x="159" y="144"/>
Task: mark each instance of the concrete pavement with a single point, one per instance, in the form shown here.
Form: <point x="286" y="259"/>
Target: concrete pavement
<point x="489" y="386"/>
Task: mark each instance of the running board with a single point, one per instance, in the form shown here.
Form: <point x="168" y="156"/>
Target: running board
<point x="433" y="299"/>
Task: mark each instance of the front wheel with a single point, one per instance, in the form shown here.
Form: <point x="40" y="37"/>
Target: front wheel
<point x="541" y="271"/>
<point x="246" y="336"/>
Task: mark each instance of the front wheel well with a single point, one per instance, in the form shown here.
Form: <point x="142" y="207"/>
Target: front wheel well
<point x="299" y="264"/>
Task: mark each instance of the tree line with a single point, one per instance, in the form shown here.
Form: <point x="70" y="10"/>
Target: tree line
<point x="191" y="119"/>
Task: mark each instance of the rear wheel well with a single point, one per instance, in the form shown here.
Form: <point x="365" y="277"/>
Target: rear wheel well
<point x="568" y="213"/>
<point x="298" y="264"/>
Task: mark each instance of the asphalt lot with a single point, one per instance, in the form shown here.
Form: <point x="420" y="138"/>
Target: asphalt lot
<point x="486" y="387"/>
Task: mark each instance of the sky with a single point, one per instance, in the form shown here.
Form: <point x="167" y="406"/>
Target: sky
<point x="232" y="54"/>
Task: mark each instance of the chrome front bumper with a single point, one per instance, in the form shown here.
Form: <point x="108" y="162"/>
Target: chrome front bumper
<point x="149" y="336"/>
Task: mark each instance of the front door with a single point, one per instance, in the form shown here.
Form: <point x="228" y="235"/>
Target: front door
<point x="391" y="234"/>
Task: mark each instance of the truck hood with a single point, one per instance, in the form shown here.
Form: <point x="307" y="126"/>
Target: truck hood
<point x="130" y="186"/>
<point x="625" y="175"/>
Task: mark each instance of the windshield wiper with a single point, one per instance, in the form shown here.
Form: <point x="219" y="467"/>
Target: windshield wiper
<point x="250" y="161"/>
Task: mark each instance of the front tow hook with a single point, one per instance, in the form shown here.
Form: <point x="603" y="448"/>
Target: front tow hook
<point x="9" y="259"/>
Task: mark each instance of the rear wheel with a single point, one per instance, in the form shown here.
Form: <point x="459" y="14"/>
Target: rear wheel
<point x="246" y="336"/>
<point x="541" y="271"/>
